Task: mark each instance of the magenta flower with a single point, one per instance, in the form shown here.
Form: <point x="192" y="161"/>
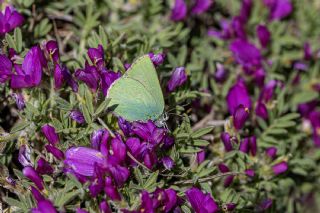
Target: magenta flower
<point x="201" y="202"/>
<point x="97" y="181"/>
<point x="271" y="152"/>
<point x="77" y="116"/>
<point x="280" y="168"/>
<point x="125" y="126"/>
<point x="83" y="159"/>
<point x="98" y="137"/>
<point x="221" y="73"/>
<point x="278" y="9"/>
<point x="44" y="206"/>
<point x="240" y="116"/>
<point x="104" y="207"/>
<point x="67" y="77"/>
<point x="30" y="74"/>
<point x="315" y="122"/>
<point x="178" y="78"/>
<point x="226" y="139"/>
<point x="5" y="68"/>
<point x="89" y="75"/>
<point x="167" y="162"/>
<point x="307" y="51"/>
<point x="201" y="6"/>
<point x="245" y="10"/>
<point x="261" y="110"/>
<point x="264" y="205"/>
<point x="268" y="91"/>
<point x="43" y="167"/>
<point x="157" y="59"/>
<point x="58" y="76"/>
<point x="111" y="190"/>
<point x="225" y="33"/>
<point x="107" y="78"/>
<point x="24" y="155"/>
<point x="246" y="54"/>
<point x="32" y="175"/>
<point x="224" y="169"/>
<point x="96" y="56"/>
<point x="9" y="20"/>
<point x="57" y="153"/>
<point x="50" y="134"/>
<point x="250" y="172"/>
<point x="149" y="132"/>
<point x="201" y="156"/>
<point x="53" y="50"/>
<point x="179" y="10"/>
<point x="263" y="35"/>
<point x="238" y="95"/>
<point x="249" y="144"/>
<point x="36" y="194"/>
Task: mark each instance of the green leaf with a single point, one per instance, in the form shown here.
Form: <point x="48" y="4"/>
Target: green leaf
<point x="21" y="125"/>
<point x="12" y="202"/>
<point x="103" y="106"/>
<point x="18" y="39"/>
<point x="303" y="97"/>
<point x="200" y="132"/>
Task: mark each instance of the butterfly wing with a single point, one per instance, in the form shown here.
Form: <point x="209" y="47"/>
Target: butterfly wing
<point x="130" y="100"/>
<point x="144" y="71"/>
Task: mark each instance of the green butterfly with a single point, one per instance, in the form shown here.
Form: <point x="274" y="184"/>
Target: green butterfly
<point x="137" y="95"/>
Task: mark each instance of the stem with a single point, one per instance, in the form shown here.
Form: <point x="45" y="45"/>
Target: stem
<point x="201" y="180"/>
<point x="135" y="160"/>
<point x="105" y="126"/>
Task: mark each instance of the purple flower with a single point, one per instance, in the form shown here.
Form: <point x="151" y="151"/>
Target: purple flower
<point x="179" y="10"/>
<point x="167" y="162"/>
<point x="89" y="75"/>
<point x="259" y="76"/>
<point x="201" y="156"/>
<point x="97" y="182"/>
<point x="57" y="153"/>
<point x="125" y="126"/>
<point x="9" y="20"/>
<point x="315" y="122"/>
<point x="58" y="76"/>
<point x="77" y="116"/>
<point x="238" y="28"/>
<point x="178" y="78"/>
<point x="238" y="95"/>
<point x="31" y="73"/>
<point x="97" y="137"/>
<point x="69" y="79"/>
<point x="225" y="33"/>
<point x="201" y="202"/>
<point x="250" y="172"/>
<point x="104" y="207"/>
<point x="253" y="145"/>
<point x="240" y="116"/>
<point x="43" y="167"/>
<point x="157" y="59"/>
<point x="107" y="78"/>
<point x="82" y="160"/>
<point x="307" y="51"/>
<point x="261" y="110"/>
<point x="24" y="155"/>
<point x="268" y="90"/>
<point x="110" y="189"/>
<point x="149" y="132"/>
<point x="168" y="142"/>
<point x="278" y="9"/>
<point x="19" y="100"/>
<point x="263" y="35"/>
<point x="226" y="139"/>
<point x="201" y="6"/>
<point x="224" y="169"/>
<point x="96" y="56"/>
<point x="32" y="175"/>
<point x="36" y="194"/>
<point x="264" y="205"/>
<point x="306" y="108"/>
<point x="244" y="145"/>
<point x="280" y="168"/>
<point x="221" y="73"/>
<point x="50" y="134"/>
<point x="271" y="152"/>
<point x="53" y="50"/>
<point x="44" y="206"/>
<point x="245" y="10"/>
<point x="81" y="211"/>
<point x="246" y="54"/>
<point x="5" y="68"/>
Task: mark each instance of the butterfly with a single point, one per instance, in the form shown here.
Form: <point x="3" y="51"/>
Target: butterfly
<point x="137" y="95"/>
